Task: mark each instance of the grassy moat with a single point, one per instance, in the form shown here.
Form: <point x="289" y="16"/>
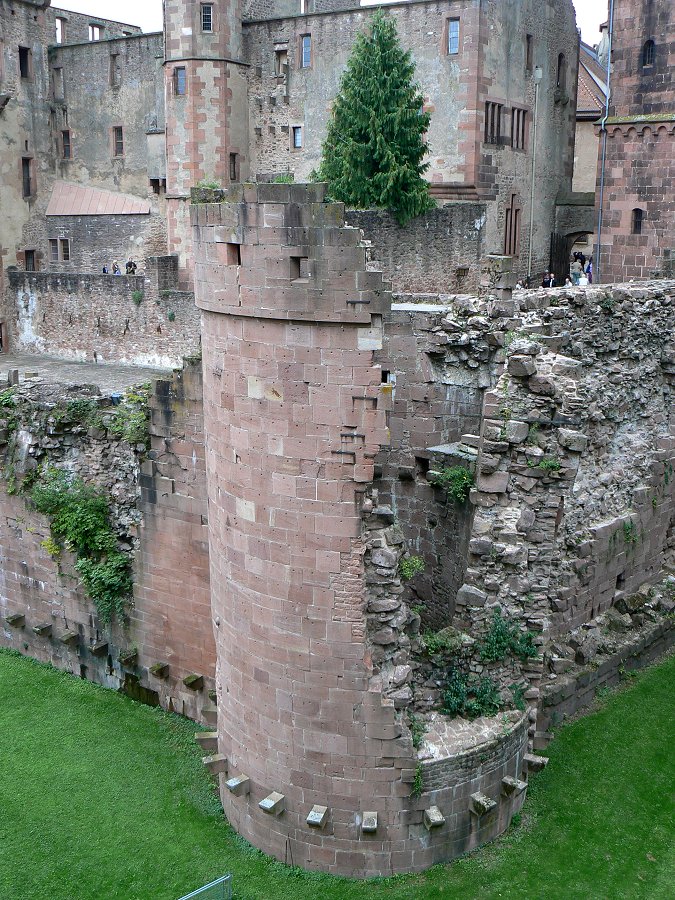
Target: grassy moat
<point x="103" y="798"/>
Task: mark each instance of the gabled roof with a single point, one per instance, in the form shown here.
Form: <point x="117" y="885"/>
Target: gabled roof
<point x="592" y="91"/>
<point x="75" y="200"/>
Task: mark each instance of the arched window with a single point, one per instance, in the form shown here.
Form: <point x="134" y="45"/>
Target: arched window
<point x="636" y="224"/>
<point x="648" y="54"/>
<point x="562" y="73"/>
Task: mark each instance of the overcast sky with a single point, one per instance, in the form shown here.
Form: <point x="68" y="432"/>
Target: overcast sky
<point x="148" y="13"/>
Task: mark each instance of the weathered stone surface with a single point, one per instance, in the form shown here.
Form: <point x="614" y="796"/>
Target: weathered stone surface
<point x="521" y="366"/>
<point x="572" y="440"/>
<point x="493" y="484"/>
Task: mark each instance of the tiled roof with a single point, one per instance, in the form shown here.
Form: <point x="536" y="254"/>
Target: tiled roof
<point x="74" y="200"/>
<point x="592" y="85"/>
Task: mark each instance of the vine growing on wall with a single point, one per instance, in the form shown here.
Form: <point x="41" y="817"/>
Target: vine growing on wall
<point x="79" y="520"/>
<point x="456" y="481"/>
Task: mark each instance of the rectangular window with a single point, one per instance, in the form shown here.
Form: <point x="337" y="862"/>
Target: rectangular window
<point x="115" y="70"/>
<point x="64" y="245"/>
<point x="29" y="256"/>
<point x="512" y="229"/>
<point x="233" y="254"/>
<point x="493" y="122"/>
<point x="305" y="51"/>
<point x="118" y="141"/>
<point x="179" y="81"/>
<point x="529" y="51"/>
<point x="453" y="37"/>
<point x="95" y="32"/>
<point x="27" y="176"/>
<point x="24" y="62"/>
<point x="297" y="137"/>
<point x="280" y="60"/>
<point x="66" y="145"/>
<point x="207" y="16"/>
<point x="518" y="125"/>
<point x="234" y="167"/>
<point x="54" y="250"/>
<point x="60" y="30"/>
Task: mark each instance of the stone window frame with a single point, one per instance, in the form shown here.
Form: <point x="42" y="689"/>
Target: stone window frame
<point x="27" y="172"/>
<point x="95" y="32"/>
<point x="176" y="81"/>
<point x="115" y="72"/>
<point x="205" y="17"/>
<point x="301" y="51"/>
<point x="233" y="163"/>
<point x="561" y="73"/>
<point x="64" y="249"/>
<point x="117" y="140"/>
<point x="25" y="60"/>
<point x="53" y="249"/>
<point x="648" y="56"/>
<point x="447" y="34"/>
<point x="519" y="128"/>
<point x="66" y="143"/>
<point x="637" y="219"/>
<point x="529" y="53"/>
<point x="493" y="123"/>
<point x="59" y="249"/>
<point x="60" y="24"/>
<point x="297" y="130"/>
<point x="512" y="227"/>
<point x="58" y="83"/>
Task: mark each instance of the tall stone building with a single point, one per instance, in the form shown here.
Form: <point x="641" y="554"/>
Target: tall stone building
<point x="637" y="146"/>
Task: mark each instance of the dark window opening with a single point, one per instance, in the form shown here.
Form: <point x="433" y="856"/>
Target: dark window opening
<point x="234" y="167"/>
<point x="30" y="261"/>
<point x="648" y="54"/>
<point x="493" y="123"/>
<point x="280" y="60"/>
<point x="158" y="185"/>
<point x="66" y="145"/>
<point x="233" y="255"/>
<point x="518" y="121"/>
<point x="297" y="137"/>
<point x="24" y="62"/>
<point x="65" y="249"/>
<point x="115" y="70"/>
<point x="179" y="81"/>
<point x="299" y="268"/>
<point x="512" y="229"/>
<point x="118" y="141"/>
<point x="385" y="376"/>
<point x="26" y="177"/>
<point x="529" y="52"/>
<point x="636" y="226"/>
<point x="561" y="79"/>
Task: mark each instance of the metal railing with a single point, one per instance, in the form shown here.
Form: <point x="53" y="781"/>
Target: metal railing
<point x="220" y="889"/>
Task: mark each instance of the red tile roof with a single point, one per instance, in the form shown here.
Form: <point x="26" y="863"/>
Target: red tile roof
<point x="75" y="200"/>
<point x="592" y="85"/>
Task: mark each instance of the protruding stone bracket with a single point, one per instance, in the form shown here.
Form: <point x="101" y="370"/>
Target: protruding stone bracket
<point x="512" y="787"/>
<point x="71" y="638"/>
<point x="216" y="764"/>
<point x="43" y="630"/>
<point x="532" y="763"/>
<point x="369" y="823"/>
<point x="433" y="818"/>
<point x="17" y="620"/>
<point x="481" y="805"/>
<point x="100" y="648"/>
<point x="207" y="740"/>
<point x="194" y="682"/>
<point x="274" y="803"/>
<point x="318" y="816"/>
<point x="160" y="670"/>
<point x="240" y="785"/>
<point x="128" y="658"/>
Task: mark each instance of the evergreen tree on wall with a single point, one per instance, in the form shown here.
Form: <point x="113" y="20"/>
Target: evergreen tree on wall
<point x="373" y="152"/>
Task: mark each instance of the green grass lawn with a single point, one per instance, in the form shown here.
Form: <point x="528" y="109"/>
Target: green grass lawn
<point x="103" y="798"/>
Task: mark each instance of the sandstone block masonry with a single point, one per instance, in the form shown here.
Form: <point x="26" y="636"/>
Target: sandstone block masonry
<point x="311" y="633"/>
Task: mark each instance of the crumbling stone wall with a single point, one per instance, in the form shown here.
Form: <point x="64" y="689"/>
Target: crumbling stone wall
<point x="158" y="509"/>
<point x="103" y="318"/>
<point x="439" y="251"/>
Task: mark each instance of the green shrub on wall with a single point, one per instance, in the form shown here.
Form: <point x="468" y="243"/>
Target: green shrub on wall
<point x="505" y="639"/>
<point x="79" y="519"/>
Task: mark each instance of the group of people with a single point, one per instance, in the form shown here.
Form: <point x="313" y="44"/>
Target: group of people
<point x="581" y="272"/>
<point x="130" y="268"/>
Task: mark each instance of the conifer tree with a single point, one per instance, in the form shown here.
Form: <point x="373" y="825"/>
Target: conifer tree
<point x="373" y="152"/>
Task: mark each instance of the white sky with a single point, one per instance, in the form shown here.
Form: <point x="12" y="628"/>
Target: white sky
<point x="148" y="13"/>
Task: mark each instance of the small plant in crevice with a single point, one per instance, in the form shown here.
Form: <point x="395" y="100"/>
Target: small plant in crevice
<point x="137" y="297"/>
<point x="409" y="567"/>
<point x="417" y="730"/>
<point x="630" y="533"/>
<point x="171" y="316"/>
<point x="284" y="178"/>
<point x="547" y="464"/>
<point x="418" y="782"/>
<point x="470" y="697"/>
<point x="607" y="304"/>
<point x="79" y="520"/>
<point x="456" y="481"/>
<point x="504" y="639"/>
<point x="518" y="695"/>
<point x="532" y="434"/>
<point x="441" y="643"/>
<point x="129" y="420"/>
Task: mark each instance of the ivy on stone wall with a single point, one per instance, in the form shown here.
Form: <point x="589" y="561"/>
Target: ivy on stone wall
<point x="79" y="520"/>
